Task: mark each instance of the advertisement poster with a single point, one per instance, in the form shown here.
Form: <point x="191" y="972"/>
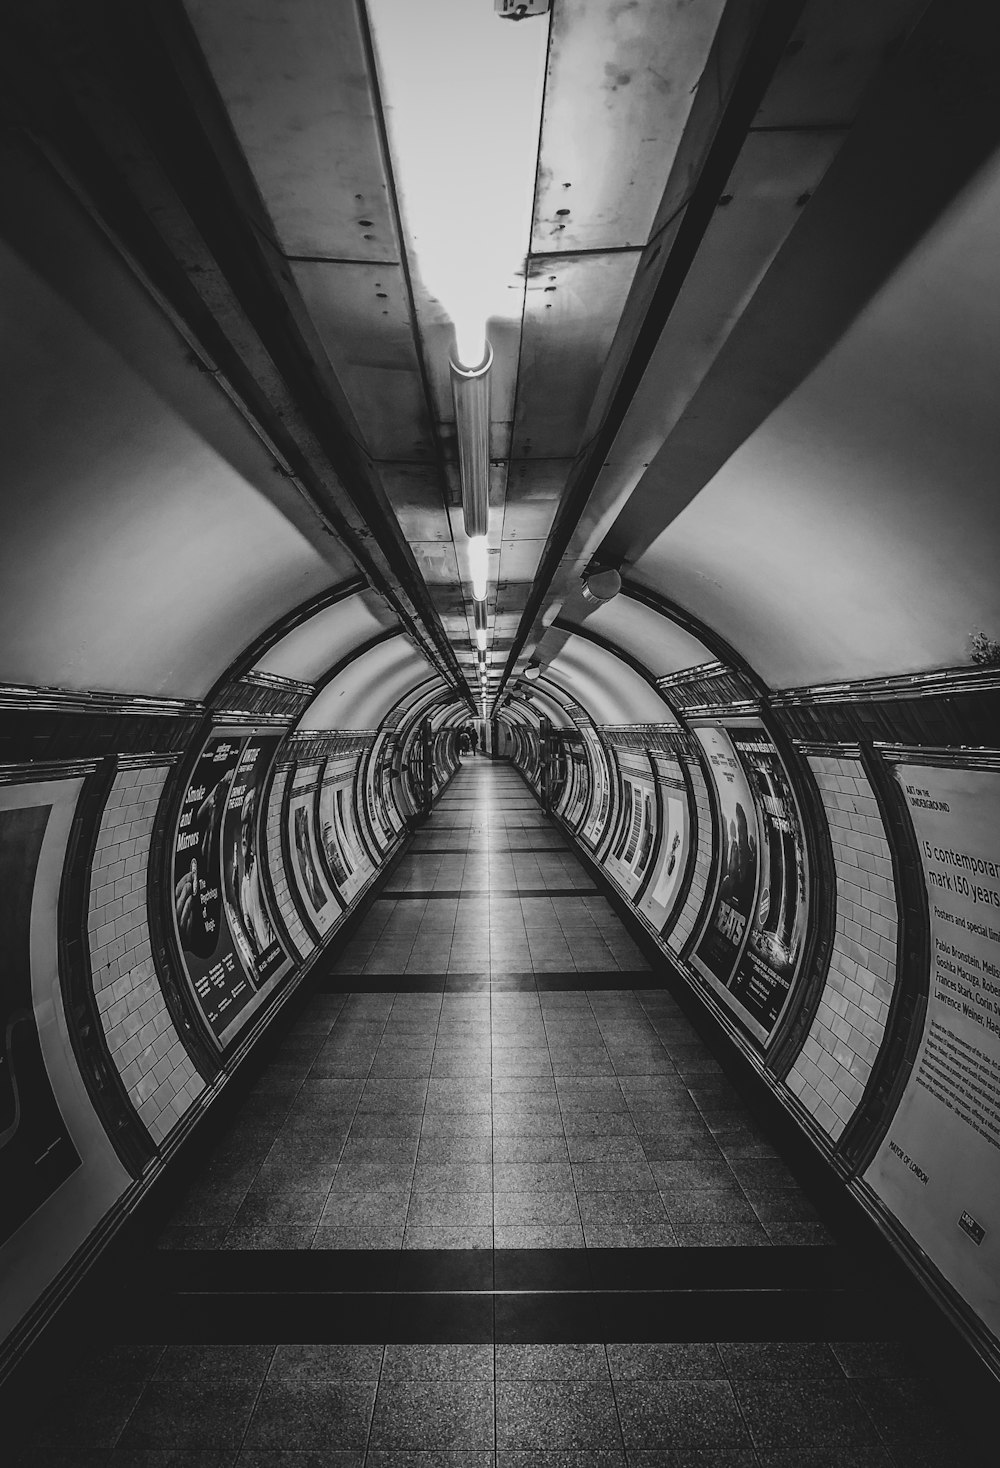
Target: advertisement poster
<point x="226" y="937"/>
<point x="625" y="821"/>
<point x="721" y="941"/>
<point x="602" y="793"/>
<point x="657" y="904"/>
<point x="767" y="968"/>
<point x="938" y="1169"/>
<point x="36" y="1152"/>
<point x="317" y="898"/>
<point x="648" y="833"/>
<point x="338" y="839"/>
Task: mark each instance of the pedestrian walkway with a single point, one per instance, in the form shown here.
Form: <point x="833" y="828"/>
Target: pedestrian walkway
<point x="493" y="1200"/>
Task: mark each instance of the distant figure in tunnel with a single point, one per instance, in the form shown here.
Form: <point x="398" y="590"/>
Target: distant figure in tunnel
<point x="473" y="737"/>
<point x="464" y="743"/>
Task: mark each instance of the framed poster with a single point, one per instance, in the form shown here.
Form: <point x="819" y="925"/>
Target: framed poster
<point x="770" y="960"/>
<point x="721" y="942"/>
<point x="37" y="1154"/>
<point x="59" y="1169"/>
<point x="347" y="861"/>
<point x="670" y="862"/>
<point x="231" y="951"/>
<point x="937" y="1170"/>
<point x="317" y="898"/>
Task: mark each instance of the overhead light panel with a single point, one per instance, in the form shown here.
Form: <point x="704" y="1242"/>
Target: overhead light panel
<point x="531" y="672"/>
<point x="470" y="390"/>
<point x="481" y="637"/>
<point x="479" y="566"/>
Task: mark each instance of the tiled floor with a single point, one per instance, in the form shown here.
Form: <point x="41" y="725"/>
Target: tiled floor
<point x="496" y="1203"/>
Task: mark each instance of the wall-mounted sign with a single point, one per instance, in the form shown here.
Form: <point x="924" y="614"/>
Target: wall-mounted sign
<point x="347" y="860"/>
<point x="938" y="1169"/>
<point x="229" y="945"/>
<point x="722" y="939"/>
<point x="657" y="902"/>
<point x="770" y="959"/>
<point x="751" y="947"/>
<point x="317" y="898"/>
<point x="36" y="1153"/>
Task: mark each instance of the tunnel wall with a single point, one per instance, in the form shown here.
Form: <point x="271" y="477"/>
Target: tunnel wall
<point x="832" y="961"/>
<point x="123" y="1024"/>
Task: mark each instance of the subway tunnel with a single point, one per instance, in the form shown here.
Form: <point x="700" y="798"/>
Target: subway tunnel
<point x="500" y="734"/>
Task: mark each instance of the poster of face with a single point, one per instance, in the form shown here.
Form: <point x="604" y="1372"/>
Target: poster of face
<point x="777" y="932"/>
<point x="721" y="941"/>
<point x="337" y="848"/>
<point x="36" y="1151"/>
<point x="318" y="898"/>
<point x="227" y="941"/>
<point x="938" y="1168"/>
<point x="657" y="903"/>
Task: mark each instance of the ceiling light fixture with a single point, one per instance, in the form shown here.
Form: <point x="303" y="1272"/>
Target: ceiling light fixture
<point x="480" y="607"/>
<point x="470" y="390"/>
<point x="481" y="638"/>
<point x="531" y="672"/>
<point x="479" y="566"/>
<point x="601" y="584"/>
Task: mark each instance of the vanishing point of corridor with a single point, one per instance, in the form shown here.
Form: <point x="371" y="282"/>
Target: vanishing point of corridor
<point x="491" y="1200"/>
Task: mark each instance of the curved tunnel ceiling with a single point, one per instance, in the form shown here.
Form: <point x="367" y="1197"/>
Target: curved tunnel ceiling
<point x="360" y="696"/>
<point x="838" y="542"/>
<point x="228" y="390"/>
<point x="310" y="649"/>
<point x="610" y="691"/>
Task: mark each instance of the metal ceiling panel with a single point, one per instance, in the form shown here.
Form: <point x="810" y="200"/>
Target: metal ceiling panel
<point x="622" y="78"/>
<point x="294" y="77"/>
<point x="519" y="559"/>
<point x="828" y="63"/>
<point x="437" y="561"/>
<point x="774" y="177"/>
<point x="361" y="313"/>
<point x="414" y="492"/>
<point x="572" y="310"/>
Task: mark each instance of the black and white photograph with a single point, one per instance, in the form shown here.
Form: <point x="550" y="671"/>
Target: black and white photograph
<point x="499" y="590"/>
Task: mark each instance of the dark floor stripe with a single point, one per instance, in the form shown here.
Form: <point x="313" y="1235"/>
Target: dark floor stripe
<point x="500" y="983"/>
<point x="423" y="894"/>
<point x="765" y="1294"/>
<point x="674" y="1270"/>
<point x="494" y="850"/>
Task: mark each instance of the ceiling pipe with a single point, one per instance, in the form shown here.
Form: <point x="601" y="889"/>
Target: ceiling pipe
<point x="470" y="388"/>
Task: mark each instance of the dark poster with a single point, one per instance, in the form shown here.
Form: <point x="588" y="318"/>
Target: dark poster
<point x="722" y="941"/>
<point x="321" y="906"/>
<point x="768" y="965"/>
<point x="36" y="1153"/>
<point x="224" y="932"/>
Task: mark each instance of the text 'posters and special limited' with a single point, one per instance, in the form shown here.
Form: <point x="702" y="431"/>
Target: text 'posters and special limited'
<point x="938" y="1169"/>
<point x="226" y="936"/>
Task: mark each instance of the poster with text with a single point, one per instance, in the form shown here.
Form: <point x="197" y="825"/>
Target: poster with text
<point x="938" y="1169"/>
<point x="226" y="938"/>
<point x="658" y="901"/>
<point x="243" y="861"/>
<point x="765" y="972"/>
<point x="722" y="940"/>
<point x="336" y="830"/>
<point x="318" y="898"/>
<point x="36" y="1152"/>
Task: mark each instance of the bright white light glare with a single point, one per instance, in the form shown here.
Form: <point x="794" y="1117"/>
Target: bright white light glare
<point x="481" y="636"/>
<point x="462" y="92"/>
<point x="479" y="566"/>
